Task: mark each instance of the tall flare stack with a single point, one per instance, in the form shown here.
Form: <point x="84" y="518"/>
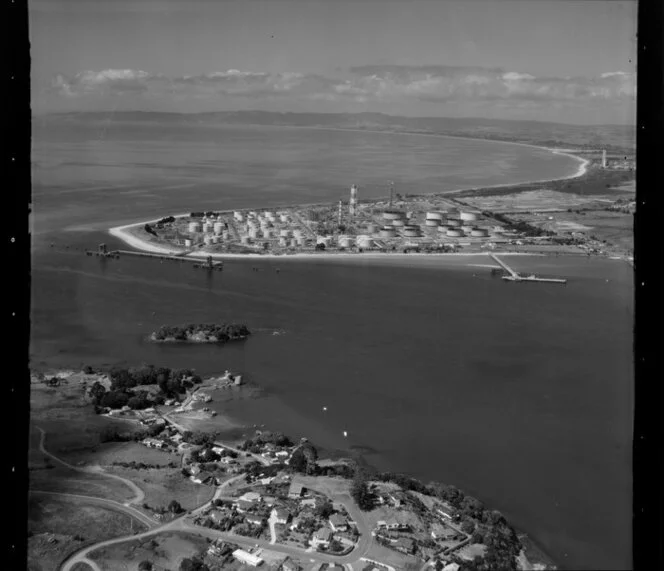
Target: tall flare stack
<point x="352" y="205"/>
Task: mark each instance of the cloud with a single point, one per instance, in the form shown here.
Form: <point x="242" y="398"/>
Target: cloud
<point x="379" y="84"/>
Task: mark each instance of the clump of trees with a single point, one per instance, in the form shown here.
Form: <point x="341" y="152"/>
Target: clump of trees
<point x="198" y="438"/>
<point x="304" y="459"/>
<point x="261" y="438"/>
<point x="221" y="333"/>
<point x="193" y="564"/>
<point x="360" y="492"/>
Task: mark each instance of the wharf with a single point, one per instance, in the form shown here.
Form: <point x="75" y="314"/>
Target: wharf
<point x="180" y="257"/>
<point x="516" y="277"/>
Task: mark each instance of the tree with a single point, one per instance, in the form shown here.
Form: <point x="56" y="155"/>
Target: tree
<point x="145" y="565"/>
<point x="359" y="491"/>
<point x="304" y="459"/>
<point x="121" y="378"/>
<point x="96" y="392"/>
<point x="193" y="564"/>
<point x="114" y="399"/>
<point x="324" y="510"/>
<point x="175" y="507"/>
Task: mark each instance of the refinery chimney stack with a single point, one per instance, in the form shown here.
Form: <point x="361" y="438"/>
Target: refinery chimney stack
<point x="352" y="206"/>
<point x="604" y="159"/>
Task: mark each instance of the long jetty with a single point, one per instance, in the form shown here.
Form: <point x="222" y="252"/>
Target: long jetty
<point x="516" y="277"/>
<point x="180" y="257"/>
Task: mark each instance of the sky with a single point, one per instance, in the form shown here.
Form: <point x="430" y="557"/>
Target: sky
<point x="548" y="60"/>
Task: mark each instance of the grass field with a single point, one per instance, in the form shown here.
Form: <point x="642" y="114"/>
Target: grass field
<point x="167" y="550"/>
<point x="68" y="481"/>
<point x="163" y="485"/>
<point x="393" y="558"/>
<point x="80" y="566"/>
<point x="76" y="524"/>
<point x="107" y="453"/>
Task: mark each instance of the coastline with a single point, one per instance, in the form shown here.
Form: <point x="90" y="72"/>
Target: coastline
<point x="121" y="232"/>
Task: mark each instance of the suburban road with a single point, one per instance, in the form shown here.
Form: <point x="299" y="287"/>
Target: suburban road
<point x="138" y="493"/>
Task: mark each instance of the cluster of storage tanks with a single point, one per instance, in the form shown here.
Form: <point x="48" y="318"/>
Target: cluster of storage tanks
<point x="451" y="223"/>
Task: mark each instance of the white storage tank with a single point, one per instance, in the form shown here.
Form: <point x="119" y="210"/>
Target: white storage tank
<point x="215" y="239"/>
<point x="224" y="234"/>
<point x="207" y="227"/>
<point x="283" y="218"/>
<point x="398" y="223"/>
<point x="443" y="228"/>
<point x="267" y="233"/>
<point x="388" y="232"/>
<point x="283" y="242"/>
<point x="435" y="215"/>
<point x="194" y="227"/>
<point x="393" y="215"/>
<point x="468" y="216"/>
<point x="453" y="222"/>
<point x="344" y="242"/>
<point x="188" y="243"/>
<point x="455" y="233"/>
<point x="207" y="240"/>
<point x="432" y="222"/>
<point x="285" y="233"/>
<point x="253" y="233"/>
<point x="467" y="228"/>
<point x="372" y="228"/>
<point x="218" y="227"/>
<point x="480" y="233"/>
<point x="363" y="241"/>
<point x="411" y="233"/>
<point x="293" y="243"/>
<point x="297" y="233"/>
<point x="245" y="240"/>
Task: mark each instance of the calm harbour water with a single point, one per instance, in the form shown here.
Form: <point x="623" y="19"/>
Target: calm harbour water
<point x="520" y="394"/>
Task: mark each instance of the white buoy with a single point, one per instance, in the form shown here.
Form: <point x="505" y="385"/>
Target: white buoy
<point x="324" y="408"/>
<point x="345" y="434"/>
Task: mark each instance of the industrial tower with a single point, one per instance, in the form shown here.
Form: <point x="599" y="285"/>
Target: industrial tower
<point x="604" y="159"/>
<point x="352" y="205"/>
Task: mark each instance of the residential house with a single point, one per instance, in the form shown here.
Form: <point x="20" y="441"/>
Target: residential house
<point x="254" y="519"/>
<point x="393" y="525"/>
<point x="338" y="522"/>
<point x="311" y="502"/>
<point x="472" y="551"/>
<point x="451" y="567"/>
<point x="248" y="558"/>
<point x="219" y="450"/>
<point x="269" y="500"/>
<point x="290" y="565"/>
<point x="405" y="545"/>
<point x="243" y="506"/>
<point x="439" y="531"/>
<point x="217" y="516"/>
<point x="282" y="454"/>
<point x="203" y="478"/>
<point x="297" y="522"/>
<point x="251" y="497"/>
<point x="281" y="515"/>
<point x="194" y="469"/>
<point x="296" y="490"/>
<point x="322" y="537"/>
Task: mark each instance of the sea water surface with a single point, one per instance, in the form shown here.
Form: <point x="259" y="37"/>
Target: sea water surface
<point x="520" y="394"/>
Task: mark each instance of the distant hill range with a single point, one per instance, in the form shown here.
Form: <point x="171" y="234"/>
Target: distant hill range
<point x="613" y="138"/>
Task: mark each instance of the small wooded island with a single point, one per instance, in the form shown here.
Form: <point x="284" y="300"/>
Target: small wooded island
<point x="201" y="333"/>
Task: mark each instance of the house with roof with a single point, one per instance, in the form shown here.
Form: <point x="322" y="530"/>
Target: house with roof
<point x="392" y="525"/>
<point x="439" y="531"/>
<point x="254" y="519"/>
<point x="338" y="522"/>
<point x="405" y="545"/>
<point x="281" y="515"/>
<point x="243" y="506"/>
<point x="321" y="537"/>
<point x="296" y="490"/>
<point x="204" y="478"/>
<point x="297" y="522"/>
<point x="289" y="565"/>
<point x="247" y="558"/>
<point x="251" y="497"/>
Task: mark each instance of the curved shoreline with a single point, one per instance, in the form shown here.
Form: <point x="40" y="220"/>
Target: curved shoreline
<point x="121" y="233"/>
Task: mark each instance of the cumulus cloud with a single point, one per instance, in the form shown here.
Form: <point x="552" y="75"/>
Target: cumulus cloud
<point x="393" y="84"/>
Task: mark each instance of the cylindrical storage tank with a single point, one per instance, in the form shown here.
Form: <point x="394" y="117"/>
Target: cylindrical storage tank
<point x="301" y="242"/>
<point x="372" y="228"/>
<point x="453" y="222"/>
<point x="253" y="233"/>
<point x="284" y="233"/>
<point x="435" y="216"/>
<point x="443" y="228"/>
<point x="398" y="223"/>
<point x="467" y="228"/>
<point x="215" y="239"/>
<point x="498" y="230"/>
<point x="207" y="227"/>
<point x="283" y="242"/>
<point x="283" y="218"/>
<point x="411" y="233"/>
<point x="414" y="227"/>
<point x="245" y="240"/>
<point x="267" y="234"/>
<point x="297" y="233"/>
<point x="188" y="243"/>
<point x="239" y="218"/>
<point x="388" y="233"/>
<point x="455" y="233"/>
<point x="432" y="222"/>
<point x="207" y="240"/>
<point x="393" y="215"/>
<point x="224" y="234"/>
<point x="293" y="243"/>
<point x="468" y="216"/>
<point x="409" y="214"/>
<point x="479" y="233"/>
<point x="194" y="227"/>
<point x="218" y="227"/>
<point x="363" y="241"/>
<point x="344" y="242"/>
